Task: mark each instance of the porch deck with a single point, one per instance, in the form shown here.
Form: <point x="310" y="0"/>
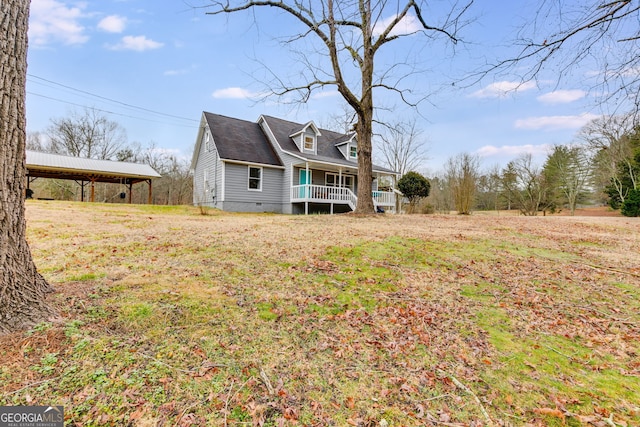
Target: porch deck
<point x="338" y="195"/>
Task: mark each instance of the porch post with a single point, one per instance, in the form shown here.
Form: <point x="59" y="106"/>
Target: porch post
<point x="307" y="190"/>
<point x="130" y="191"/>
<point x="149" y="196"/>
<point x="308" y="181"/>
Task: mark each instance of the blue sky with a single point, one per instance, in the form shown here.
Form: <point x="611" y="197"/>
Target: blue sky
<point x="154" y="66"/>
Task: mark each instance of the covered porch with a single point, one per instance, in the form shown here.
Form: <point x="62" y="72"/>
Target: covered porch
<point x="333" y="188"/>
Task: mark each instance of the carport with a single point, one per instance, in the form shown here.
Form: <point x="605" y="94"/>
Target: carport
<point x="88" y="171"/>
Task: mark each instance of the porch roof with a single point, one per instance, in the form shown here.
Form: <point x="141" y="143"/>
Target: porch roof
<point x="339" y="163"/>
<point x="328" y="153"/>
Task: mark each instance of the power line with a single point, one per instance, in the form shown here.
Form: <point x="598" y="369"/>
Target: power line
<point x="112" y="112"/>
<point x="106" y="99"/>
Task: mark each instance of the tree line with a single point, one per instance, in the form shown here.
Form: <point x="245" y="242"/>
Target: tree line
<point x="601" y="167"/>
<point x="91" y="135"/>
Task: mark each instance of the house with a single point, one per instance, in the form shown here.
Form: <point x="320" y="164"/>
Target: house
<point x="275" y="165"/>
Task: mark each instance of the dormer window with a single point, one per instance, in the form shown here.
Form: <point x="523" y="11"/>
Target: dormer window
<point x="353" y="152"/>
<point x="207" y="143"/>
<point x="309" y="143"/>
<point x="306" y="139"/>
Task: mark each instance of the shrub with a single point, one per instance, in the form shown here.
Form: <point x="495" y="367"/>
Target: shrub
<point x="631" y="205"/>
<point x="414" y="187"/>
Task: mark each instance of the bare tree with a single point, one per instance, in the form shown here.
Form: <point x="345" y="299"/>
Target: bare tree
<point x="567" y="171"/>
<point x="35" y="141"/>
<point x="351" y="35"/>
<point x="22" y="288"/>
<point x="607" y="138"/>
<point x="462" y="173"/>
<point x="567" y="33"/>
<point x="341" y="121"/>
<point x="175" y="187"/>
<point x="489" y="187"/>
<point x="524" y="183"/>
<point x="440" y="198"/>
<point x="402" y="146"/>
<point x="90" y="135"/>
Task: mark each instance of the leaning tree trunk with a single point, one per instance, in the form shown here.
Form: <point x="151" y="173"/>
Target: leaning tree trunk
<point x="22" y="288"/>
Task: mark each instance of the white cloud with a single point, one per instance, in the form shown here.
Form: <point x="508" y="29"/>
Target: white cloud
<point x="562" y="96"/>
<point x="233" y="93"/>
<point x="176" y="72"/>
<point x="408" y="25"/>
<point x="555" y="122"/>
<point x="325" y="94"/>
<point x="137" y="43"/>
<point x="51" y="21"/>
<point x="513" y="150"/>
<point x="113" y="24"/>
<point x="500" y="89"/>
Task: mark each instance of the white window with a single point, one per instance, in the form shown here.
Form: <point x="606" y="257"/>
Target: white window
<point x="309" y="143"/>
<point x="334" y="180"/>
<point x="255" y="178"/>
<point x="206" y="137"/>
<point x="353" y="152"/>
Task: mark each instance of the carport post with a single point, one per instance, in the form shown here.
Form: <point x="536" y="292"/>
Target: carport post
<point x="149" y="198"/>
<point x="93" y="190"/>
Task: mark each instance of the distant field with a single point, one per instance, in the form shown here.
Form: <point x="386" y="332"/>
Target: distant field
<point x="173" y="318"/>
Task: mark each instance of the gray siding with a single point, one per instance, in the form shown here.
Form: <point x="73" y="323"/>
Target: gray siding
<point x="238" y="197"/>
<point x="207" y="192"/>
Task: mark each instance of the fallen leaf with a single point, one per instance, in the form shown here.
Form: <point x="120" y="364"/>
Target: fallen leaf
<point x="550" y="412"/>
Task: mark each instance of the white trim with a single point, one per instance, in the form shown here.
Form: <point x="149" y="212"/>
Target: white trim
<point x="265" y="127"/>
<point x="353" y="165"/>
<point x="315" y="129"/>
<point x="198" y="145"/>
<point x="340" y="180"/>
<point x="223" y="177"/>
<point x="307" y="138"/>
<point x="207" y="140"/>
<point x="261" y="165"/>
<point x="249" y="178"/>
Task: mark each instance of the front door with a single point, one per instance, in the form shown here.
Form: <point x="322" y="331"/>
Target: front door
<point x="305" y="178"/>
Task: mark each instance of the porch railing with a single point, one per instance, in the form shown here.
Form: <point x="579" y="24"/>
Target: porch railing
<point x="325" y="194"/>
<point x="384" y="198"/>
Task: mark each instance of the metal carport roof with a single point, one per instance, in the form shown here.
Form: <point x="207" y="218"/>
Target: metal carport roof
<point x="46" y="165"/>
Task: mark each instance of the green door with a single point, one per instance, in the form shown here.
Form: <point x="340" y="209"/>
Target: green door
<point x="305" y="178"/>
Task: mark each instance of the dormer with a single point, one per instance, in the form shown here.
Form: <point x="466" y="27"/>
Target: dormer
<point x="306" y="139"/>
<point x="349" y="147"/>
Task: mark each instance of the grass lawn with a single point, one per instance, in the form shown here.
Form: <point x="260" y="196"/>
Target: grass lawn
<point x="172" y="318"/>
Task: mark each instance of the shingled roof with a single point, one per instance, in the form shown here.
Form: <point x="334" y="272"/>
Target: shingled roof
<point x="245" y="141"/>
<point x="328" y="152"/>
<point x="241" y="140"/>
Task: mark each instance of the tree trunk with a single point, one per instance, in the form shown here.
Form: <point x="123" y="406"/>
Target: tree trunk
<point x="364" y="110"/>
<point x="365" y="169"/>
<point x="22" y="288"/>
